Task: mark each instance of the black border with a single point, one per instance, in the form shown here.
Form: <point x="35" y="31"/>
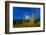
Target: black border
<point x="7" y="16"/>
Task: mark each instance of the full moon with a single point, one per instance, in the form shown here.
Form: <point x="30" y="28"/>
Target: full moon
<point x="27" y="16"/>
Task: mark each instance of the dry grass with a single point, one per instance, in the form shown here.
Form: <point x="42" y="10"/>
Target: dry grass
<point x="27" y="24"/>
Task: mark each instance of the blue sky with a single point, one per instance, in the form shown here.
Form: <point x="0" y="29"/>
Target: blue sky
<point x="23" y="12"/>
